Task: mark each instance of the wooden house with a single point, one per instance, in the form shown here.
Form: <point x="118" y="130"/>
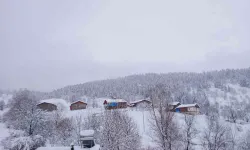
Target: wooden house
<point x="78" y="105"/>
<point x="115" y="104"/>
<point x="192" y="109"/>
<point x="173" y="105"/>
<point x="47" y="106"/>
<point x="140" y="103"/>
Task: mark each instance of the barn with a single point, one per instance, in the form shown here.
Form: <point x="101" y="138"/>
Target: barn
<point x="192" y="109"/>
<point x="114" y="104"/>
<point x="47" y="106"/>
<point x="78" y="105"/>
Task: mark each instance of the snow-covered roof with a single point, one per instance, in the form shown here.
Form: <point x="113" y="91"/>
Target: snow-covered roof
<point x="57" y="102"/>
<point x="138" y="101"/>
<point x="115" y="100"/>
<point x="174" y="103"/>
<point x="188" y="105"/>
<point x="87" y="133"/>
<point x="77" y="102"/>
<point x="87" y="138"/>
<point x="45" y="103"/>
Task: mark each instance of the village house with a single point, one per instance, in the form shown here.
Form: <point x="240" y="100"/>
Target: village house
<point x="192" y="109"/>
<point x="140" y="104"/>
<point x="173" y="105"/>
<point x="78" y="105"/>
<point x="47" y="106"/>
<point x="115" y="104"/>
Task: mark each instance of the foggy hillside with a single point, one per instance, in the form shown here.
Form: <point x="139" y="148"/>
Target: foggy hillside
<point x="192" y="86"/>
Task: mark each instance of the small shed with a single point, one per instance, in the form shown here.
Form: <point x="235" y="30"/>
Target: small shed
<point x="144" y="103"/>
<point x="173" y="105"/>
<point x="47" y="106"/>
<point x="115" y="104"/>
<point x="192" y="109"/>
<point x="87" y="138"/>
<point x="78" y="105"/>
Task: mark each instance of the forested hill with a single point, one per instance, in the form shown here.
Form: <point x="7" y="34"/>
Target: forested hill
<point x="136" y="86"/>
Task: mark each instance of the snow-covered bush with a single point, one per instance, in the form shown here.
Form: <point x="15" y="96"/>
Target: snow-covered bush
<point x="18" y="140"/>
<point x="24" y="115"/>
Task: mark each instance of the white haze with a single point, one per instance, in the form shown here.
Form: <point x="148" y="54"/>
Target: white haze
<point x="50" y="44"/>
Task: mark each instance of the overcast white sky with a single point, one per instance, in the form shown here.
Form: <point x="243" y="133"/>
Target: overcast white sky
<point x="50" y="44"/>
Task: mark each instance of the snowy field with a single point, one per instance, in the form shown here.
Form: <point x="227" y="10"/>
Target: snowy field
<point x="142" y="120"/>
<point x="142" y="117"/>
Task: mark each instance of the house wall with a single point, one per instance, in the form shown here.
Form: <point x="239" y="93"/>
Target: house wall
<point x="117" y="105"/>
<point x="183" y="109"/>
<point x="122" y="105"/>
<point x="47" y="107"/>
<point x="77" y="106"/>
<point x="190" y="110"/>
<point x="142" y="105"/>
<point x="193" y="109"/>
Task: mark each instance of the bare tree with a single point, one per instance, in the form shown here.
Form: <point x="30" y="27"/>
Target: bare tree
<point x="93" y="121"/>
<point x="165" y="129"/>
<point x="78" y="126"/>
<point x="216" y="136"/>
<point x="245" y="142"/>
<point x="231" y="113"/>
<point x="190" y="132"/>
<point x="24" y="115"/>
<point x="60" y="129"/>
<point x="119" y="132"/>
<point x="19" y="140"/>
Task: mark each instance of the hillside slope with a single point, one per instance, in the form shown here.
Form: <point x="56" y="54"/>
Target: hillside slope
<point x="184" y="87"/>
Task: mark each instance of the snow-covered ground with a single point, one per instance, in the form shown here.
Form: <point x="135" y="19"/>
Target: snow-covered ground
<point x="67" y="148"/>
<point x="142" y="117"/>
<point x="142" y="120"/>
<point x="4" y="132"/>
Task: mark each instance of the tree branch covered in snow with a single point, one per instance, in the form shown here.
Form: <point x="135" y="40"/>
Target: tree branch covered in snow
<point x="119" y="132"/>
